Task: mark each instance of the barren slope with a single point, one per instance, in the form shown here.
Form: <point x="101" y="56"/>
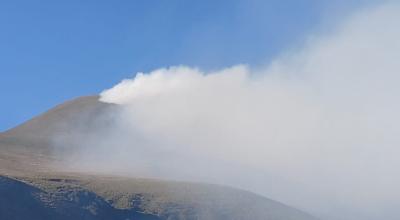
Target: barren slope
<point x="31" y="189"/>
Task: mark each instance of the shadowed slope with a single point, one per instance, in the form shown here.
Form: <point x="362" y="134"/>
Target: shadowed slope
<point x="20" y="200"/>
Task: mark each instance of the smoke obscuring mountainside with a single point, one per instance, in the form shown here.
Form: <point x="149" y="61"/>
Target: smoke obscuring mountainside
<point x="318" y="128"/>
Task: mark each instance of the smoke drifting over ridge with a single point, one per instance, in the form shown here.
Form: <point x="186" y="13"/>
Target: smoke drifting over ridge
<point x="317" y="129"/>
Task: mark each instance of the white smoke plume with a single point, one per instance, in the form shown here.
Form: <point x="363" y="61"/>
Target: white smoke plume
<point x="318" y="128"/>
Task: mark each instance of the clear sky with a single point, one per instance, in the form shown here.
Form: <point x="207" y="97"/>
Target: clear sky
<point x="51" y="51"/>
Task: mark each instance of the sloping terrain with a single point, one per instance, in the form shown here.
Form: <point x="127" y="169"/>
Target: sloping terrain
<point x="32" y="187"/>
<point x="20" y="200"/>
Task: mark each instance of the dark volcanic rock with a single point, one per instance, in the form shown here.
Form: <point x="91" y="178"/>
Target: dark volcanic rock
<point x="19" y="201"/>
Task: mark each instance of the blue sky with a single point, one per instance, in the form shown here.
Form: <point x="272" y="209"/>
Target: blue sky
<point x="51" y="51"/>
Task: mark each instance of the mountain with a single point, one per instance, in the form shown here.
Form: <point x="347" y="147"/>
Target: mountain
<point x="33" y="187"/>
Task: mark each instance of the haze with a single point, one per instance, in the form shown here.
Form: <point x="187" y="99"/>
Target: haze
<point x="317" y="128"/>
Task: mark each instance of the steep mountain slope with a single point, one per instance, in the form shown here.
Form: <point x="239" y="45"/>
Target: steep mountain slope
<point x="31" y="187"/>
<point x="78" y="116"/>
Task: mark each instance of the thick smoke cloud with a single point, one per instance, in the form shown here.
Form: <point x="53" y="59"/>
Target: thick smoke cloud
<point x="318" y="128"/>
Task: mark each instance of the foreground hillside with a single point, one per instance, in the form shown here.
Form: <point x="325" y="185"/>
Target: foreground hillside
<point x="34" y="186"/>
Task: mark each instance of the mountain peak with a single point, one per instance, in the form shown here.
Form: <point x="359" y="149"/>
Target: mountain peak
<point x="30" y="171"/>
